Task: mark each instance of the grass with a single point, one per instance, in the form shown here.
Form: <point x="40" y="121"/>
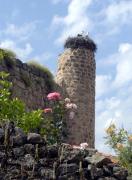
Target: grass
<point x="80" y="41"/>
<point x="45" y="70"/>
<point x="8" y="56"/>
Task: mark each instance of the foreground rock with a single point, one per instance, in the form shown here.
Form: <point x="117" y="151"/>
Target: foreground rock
<point x="28" y="157"/>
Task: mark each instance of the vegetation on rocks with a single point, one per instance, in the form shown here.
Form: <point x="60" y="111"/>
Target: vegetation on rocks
<point x="44" y="70"/>
<point x="6" y="53"/>
<point x="8" y="56"/>
<point x="14" y="110"/>
<point x="121" y="141"/>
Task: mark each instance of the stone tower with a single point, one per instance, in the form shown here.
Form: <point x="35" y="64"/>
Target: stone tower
<point x="76" y="78"/>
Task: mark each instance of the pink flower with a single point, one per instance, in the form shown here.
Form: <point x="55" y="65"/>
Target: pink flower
<point x="68" y="106"/>
<point x="75" y="147"/>
<point x="67" y="100"/>
<point x="48" y="110"/>
<point x="84" y="145"/>
<point x="54" y="96"/>
<point x="81" y="146"/>
<point x="71" y="106"/>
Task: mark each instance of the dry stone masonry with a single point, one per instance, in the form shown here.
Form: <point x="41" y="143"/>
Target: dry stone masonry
<point x="76" y="77"/>
<point x="27" y="157"/>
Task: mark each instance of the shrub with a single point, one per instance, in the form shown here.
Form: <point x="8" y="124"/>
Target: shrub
<point x="8" y="56"/>
<point x="121" y="141"/>
<point x="54" y="119"/>
<point x="13" y="110"/>
<point x="45" y="70"/>
<point x="10" y="109"/>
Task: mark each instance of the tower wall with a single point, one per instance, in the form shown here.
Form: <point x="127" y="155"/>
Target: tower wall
<point x="76" y="77"/>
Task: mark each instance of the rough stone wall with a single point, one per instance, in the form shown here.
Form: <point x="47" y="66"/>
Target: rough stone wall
<point x="27" y="157"/>
<point x="29" y="84"/>
<point x="76" y="76"/>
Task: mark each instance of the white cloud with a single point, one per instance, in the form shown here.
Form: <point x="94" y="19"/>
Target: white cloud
<point x="114" y="16"/>
<point x="115" y="108"/>
<point x="121" y="63"/>
<point x="21" y="52"/>
<point x="125" y="47"/>
<point x="102" y="84"/>
<point x="42" y="58"/>
<point x="75" y="21"/>
<point x="123" y="68"/>
<point x="119" y="12"/>
<point x="16" y="38"/>
<point x="22" y="32"/>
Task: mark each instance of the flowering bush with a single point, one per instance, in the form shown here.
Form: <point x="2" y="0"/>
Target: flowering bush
<point x="13" y="109"/>
<point x="71" y="107"/>
<point x="48" y="110"/>
<point x="55" y="116"/>
<point x="49" y="122"/>
<point x="54" y="96"/>
<point x="54" y="119"/>
<point x="121" y="141"/>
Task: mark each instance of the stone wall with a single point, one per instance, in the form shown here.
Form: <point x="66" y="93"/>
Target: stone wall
<point x="76" y="77"/>
<point x="29" y="83"/>
<point x="27" y="157"/>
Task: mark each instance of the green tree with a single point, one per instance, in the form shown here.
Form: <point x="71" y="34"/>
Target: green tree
<point x="121" y="141"/>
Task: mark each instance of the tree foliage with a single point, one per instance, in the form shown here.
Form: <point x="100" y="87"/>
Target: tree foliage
<point x="121" y="141"/>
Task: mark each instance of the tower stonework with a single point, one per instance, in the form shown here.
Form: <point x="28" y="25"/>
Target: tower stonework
<point x="76" y="78"/>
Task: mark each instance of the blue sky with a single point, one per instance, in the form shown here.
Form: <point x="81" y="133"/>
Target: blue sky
<point x="37" y="29"/>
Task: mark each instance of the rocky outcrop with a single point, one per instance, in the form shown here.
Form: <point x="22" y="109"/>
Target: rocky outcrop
<point x="30" y="84"/>
<point x="28" y="157"/>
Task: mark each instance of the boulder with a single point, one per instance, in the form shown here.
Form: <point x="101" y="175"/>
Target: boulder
<point x="68" y="169"/>
<point x="18" y="140"/>
<point x="121" y="174"/>
<point x="29" y="148"/>
<point x="98" y="160"/>
<point x="35" y="138"/>
<point x="28" y="162"/>
<point x="52" y="151"/>
<point x="18" y="151"/>
<point x="46" y="173"/>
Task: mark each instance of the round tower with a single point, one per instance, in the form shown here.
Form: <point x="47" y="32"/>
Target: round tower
<point x="76" y="78"/>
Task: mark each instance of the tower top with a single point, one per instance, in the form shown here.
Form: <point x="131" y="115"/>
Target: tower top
<point x="80" y="41"/>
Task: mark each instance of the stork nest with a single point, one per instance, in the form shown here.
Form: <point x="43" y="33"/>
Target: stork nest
<point x="80" y="41"/>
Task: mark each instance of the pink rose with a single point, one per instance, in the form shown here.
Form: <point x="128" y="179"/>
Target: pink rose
<point x="68" y="106"/>
<point x="71" y="106"/>
<point x="48" y="110"/>
<point x="54" y="96"/>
